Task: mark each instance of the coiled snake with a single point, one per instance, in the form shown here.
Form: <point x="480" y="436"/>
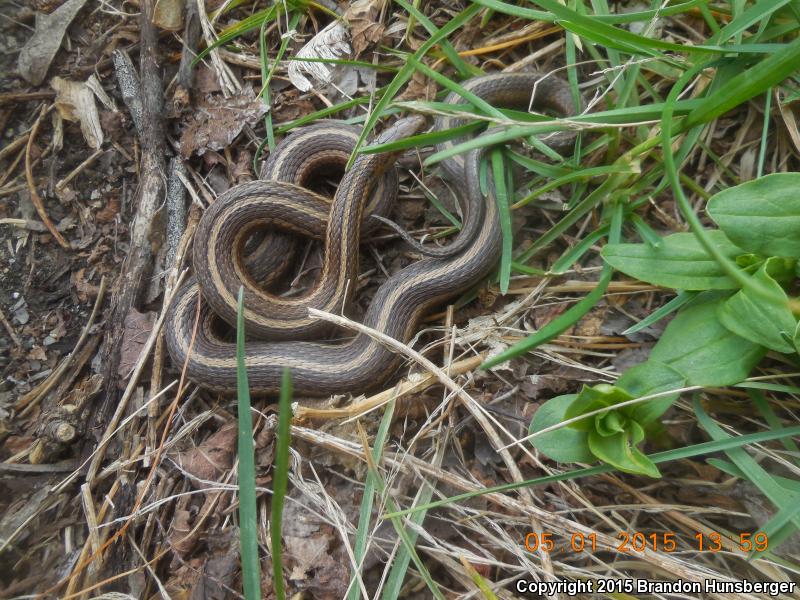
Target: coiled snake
<point x="320" y="368"/>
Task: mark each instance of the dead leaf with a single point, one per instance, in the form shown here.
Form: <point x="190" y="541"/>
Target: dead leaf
<point x="363" y="16"/>
<point x="75" y="102"/>
<point x="330" y="43"/>
<point x="83" y="287"/>
<point x="39" y="51"/>
<point x="137" y="329"/>
<point x="179" y="536"/>
<point x="168" y="14"/>
<point x="109" y="212"/>
<point x="419" y="88"/>
<point x="219" y="120"/>
<point x="212" y="459"/>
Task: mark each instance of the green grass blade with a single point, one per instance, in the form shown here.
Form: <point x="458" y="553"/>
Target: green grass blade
<point x="763" y="407"/>
<point x="622" y="18"/>
<point x="776" y="493"/>
<point x="464" y="69"/>
<point x="250" y="23"/>
<point x="578" y="175"/>
<point x="423" y="139"/>
<point x="502" y="200"/>
<point x="573" y="314"/>
<point x="248" y="522"/>
<point x="574" y="254"/>
<point x="281" y="479"/>
<point x="367" y="500"/>
<point x="658" y="314"/>
<point x="749" y="83"/>
<point x="407" y="71"/>
<point x="325" y="112"/>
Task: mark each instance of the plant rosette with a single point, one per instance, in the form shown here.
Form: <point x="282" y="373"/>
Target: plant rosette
<point x="717" y="337"/>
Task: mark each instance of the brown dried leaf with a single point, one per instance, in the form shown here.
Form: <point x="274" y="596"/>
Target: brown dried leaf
<point x="75" y="102"/>
<point x="109" y="212"/>
<point x="137" y="329"/>
<point x="219" y="120"/>
<point x="39" y="51"/>
<point x="168" y="14"/>
<point x="85" y="289"/>
<point x="419" y="88"/>
<point x="363" y="16"/>
<point x="179" y="539"/>
<point x="212" y="459"/>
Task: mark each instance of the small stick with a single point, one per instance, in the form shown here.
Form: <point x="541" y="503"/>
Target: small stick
<point x="77" y="170"/>
<point x="10" y="329"/>
<point x="37" y="201"/>
<point x="5" y="177"/>
<point x="17" y="143"/>
<point x="408" y="386"/>
<point x="13" y="189"/>
<point x="33" y="397"/>
<point x="129" y="86"/>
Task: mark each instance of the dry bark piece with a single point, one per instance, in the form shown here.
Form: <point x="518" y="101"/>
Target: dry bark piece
<point x="75" y="102"/>
<point x="37" y="54"/>
<point x="137" y="329"/>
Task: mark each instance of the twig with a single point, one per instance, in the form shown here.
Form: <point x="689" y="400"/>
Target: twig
<point x="10" y="329"/>
<point x="176" y="208"/>
<point x="191" y="37"/>
<point x="134" y="276"/>
<point x="26" y="403"/>
<point x="37" y="201"/>
<point x="409" y="386"/>
<point x="77" y="170"/>
<point x="17" y="143"/>
<point x="16" y="97"/>
<point x="133" y="380"/>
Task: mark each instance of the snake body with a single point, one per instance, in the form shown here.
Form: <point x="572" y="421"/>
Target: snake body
<point x="331" y="144"/>
<point x="361" y="363"/>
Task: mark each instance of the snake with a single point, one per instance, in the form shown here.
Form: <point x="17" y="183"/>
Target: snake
<point x="283" y="335"/>
<point x="333" y="143"/>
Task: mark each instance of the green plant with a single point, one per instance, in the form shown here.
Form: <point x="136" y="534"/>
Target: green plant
<point x="248" y="523"/>
<point x="248" y="519"/>
<point x="718" y="336"/>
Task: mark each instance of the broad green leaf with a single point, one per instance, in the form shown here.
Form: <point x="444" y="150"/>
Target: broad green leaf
<point x="679" y="262"/>
<point x="594" y="398"/>
<point x="761" y="216"/>
<point x="769" y="324"/>
<point x="651" y="377"/>
<point x="562" y="445"/>
<point x="698" y="346"/>
<point x="620" y="451"/>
